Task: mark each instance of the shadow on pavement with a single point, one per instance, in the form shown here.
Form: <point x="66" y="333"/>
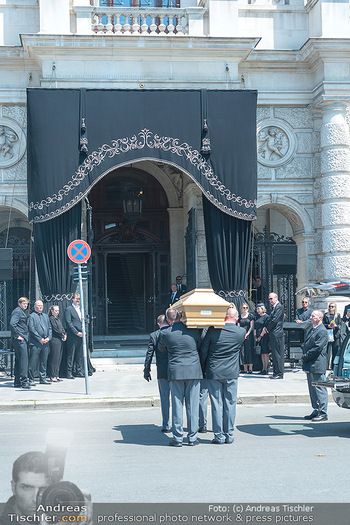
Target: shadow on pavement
<point x="308" y="429"/>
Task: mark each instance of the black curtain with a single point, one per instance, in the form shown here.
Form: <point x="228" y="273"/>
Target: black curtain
<point x="228" y="251"/>
<point x="51" y="240"/>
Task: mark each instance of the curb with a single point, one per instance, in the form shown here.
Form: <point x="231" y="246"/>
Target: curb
<point x="115" y="402"/>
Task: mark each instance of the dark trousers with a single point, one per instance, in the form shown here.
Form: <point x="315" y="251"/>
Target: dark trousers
<point x="21" y="360"/>
<point x="55" y="357"/>
<point x="75" y="355"/>
<point x="277" y="351"/>
<point x="38" y="355"/>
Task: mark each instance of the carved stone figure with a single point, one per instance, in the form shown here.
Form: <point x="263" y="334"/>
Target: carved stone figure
<point x="7" y="138"/>
<point x="273" y="143"/>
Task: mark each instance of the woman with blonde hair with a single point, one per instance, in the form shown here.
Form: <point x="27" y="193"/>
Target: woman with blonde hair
<point x="262" y="339"/>
<point x="333" y="323"/>
<point x="246" y="321"/>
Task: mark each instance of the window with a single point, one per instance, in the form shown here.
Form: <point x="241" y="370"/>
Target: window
<point x="140" y="3"/>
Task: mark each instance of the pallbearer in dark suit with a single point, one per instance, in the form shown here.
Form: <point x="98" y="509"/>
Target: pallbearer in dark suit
<point x="40" y="334"/>
<point x="162" y="371"/>
<point x="220" y="363"/>
<point x="56" y="344"/>
<point x="315" y="365"/>
<point x="19" y="332"/>
<point x="184" y="374"/>
<point x="274" y="326"/>
<point x="75" y="338"/>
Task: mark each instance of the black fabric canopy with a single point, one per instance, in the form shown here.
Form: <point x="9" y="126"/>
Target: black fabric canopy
<point x="76" y="136"/>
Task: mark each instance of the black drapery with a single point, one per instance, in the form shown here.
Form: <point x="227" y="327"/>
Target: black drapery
<point x="228" y="251"/>
<point x="76" y="136"/>
<point x="51" y="240"/>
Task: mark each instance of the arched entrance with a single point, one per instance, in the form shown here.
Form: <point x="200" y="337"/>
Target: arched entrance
<point x="130" y="251"/>
<point x="279" y="253"/>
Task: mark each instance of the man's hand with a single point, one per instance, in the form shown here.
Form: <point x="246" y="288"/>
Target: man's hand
<point x="20" y="338"/>
<point x="147" y="375"/>
<point x="80" y="334"/>
<point x="298" y="321"/>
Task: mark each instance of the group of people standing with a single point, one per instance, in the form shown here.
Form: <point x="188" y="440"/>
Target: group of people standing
<point x="38" y="338"/>
<point x="190" y="365"/>
<point x="264" y="335"/>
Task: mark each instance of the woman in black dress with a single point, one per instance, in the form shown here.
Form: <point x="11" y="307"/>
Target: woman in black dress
<point x="333" y="323"/>
<point x="246" y="321"/>
<point x="262" y="340"/>
<point x="58" y="336"/>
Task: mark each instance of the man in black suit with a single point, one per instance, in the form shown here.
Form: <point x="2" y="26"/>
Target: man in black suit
<point x="20" y="334"/>
<point x="220" y="364"/>
<point x="174" y="295"/>
<point x="315" y="365"/>
<point x="274" y="326"/>
<point x="162" y="371"/>
<point x="181" y="288"/>
<point x="74" y="328"/>
<point x="40" y="333"/>
<point x="184" y="374"/>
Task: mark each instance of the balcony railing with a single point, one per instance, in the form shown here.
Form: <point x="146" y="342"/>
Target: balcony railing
<point x="139" y="20"/>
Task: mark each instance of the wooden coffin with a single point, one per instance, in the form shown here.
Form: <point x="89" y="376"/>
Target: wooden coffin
<point x="202" y="307"/>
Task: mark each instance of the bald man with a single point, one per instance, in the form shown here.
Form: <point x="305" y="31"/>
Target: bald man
<point x="315" y="365"/>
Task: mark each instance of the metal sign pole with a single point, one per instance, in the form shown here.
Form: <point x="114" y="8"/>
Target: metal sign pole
<point x="83" y="330"/>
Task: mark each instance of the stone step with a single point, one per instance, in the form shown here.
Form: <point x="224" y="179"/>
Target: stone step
<point x="102" y="363"/>
<point x="118" y="352"/>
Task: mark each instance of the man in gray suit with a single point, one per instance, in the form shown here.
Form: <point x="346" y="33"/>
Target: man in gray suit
<point x="40" y="333"/>
<point x="315" y="365"/>
<point x="220" y="363"/>
<point x="184" y="374"/>
<point x="162" y="371"/>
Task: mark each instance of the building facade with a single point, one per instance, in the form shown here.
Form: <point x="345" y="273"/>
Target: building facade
<point x="296" y="54"/>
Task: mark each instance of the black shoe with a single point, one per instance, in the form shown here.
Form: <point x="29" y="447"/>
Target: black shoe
<point x="90" y="373"/>
<point x="165" y="430"/>
<point x="320" y="417"/>
<point x="193" y="443"/>
<point x="58" y="379"/>
<point x="312" y="415"/>
<point x="17" y="385"/>
<point x="79" y="375"/>
<point x="69" y="376"/>
<point x="277" y="376"/>
<point x="216" y="442"/>
<point x="93" y="370"/>
<point x="25" y="385"/>
<point x="203" y="429"/>
<point x="45" y="382"/>
<point x="173" y="443"/>
<point x="250" y="371"/>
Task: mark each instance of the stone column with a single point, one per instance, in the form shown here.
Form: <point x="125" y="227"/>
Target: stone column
<point x="177" y="246"/>
<point x="335" y="190"/>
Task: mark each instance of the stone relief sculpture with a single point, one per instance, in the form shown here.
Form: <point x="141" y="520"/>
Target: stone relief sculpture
<point x="7" y="138"/>
<point x="275" y="143"/>
<point x="12" y="142"/>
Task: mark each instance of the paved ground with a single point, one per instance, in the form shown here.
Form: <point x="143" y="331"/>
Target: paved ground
<point x="120" y="455"/>
<point x="123" y="385"/>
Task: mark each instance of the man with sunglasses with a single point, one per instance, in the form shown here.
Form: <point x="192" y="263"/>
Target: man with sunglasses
<point x="304" y="313"/>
